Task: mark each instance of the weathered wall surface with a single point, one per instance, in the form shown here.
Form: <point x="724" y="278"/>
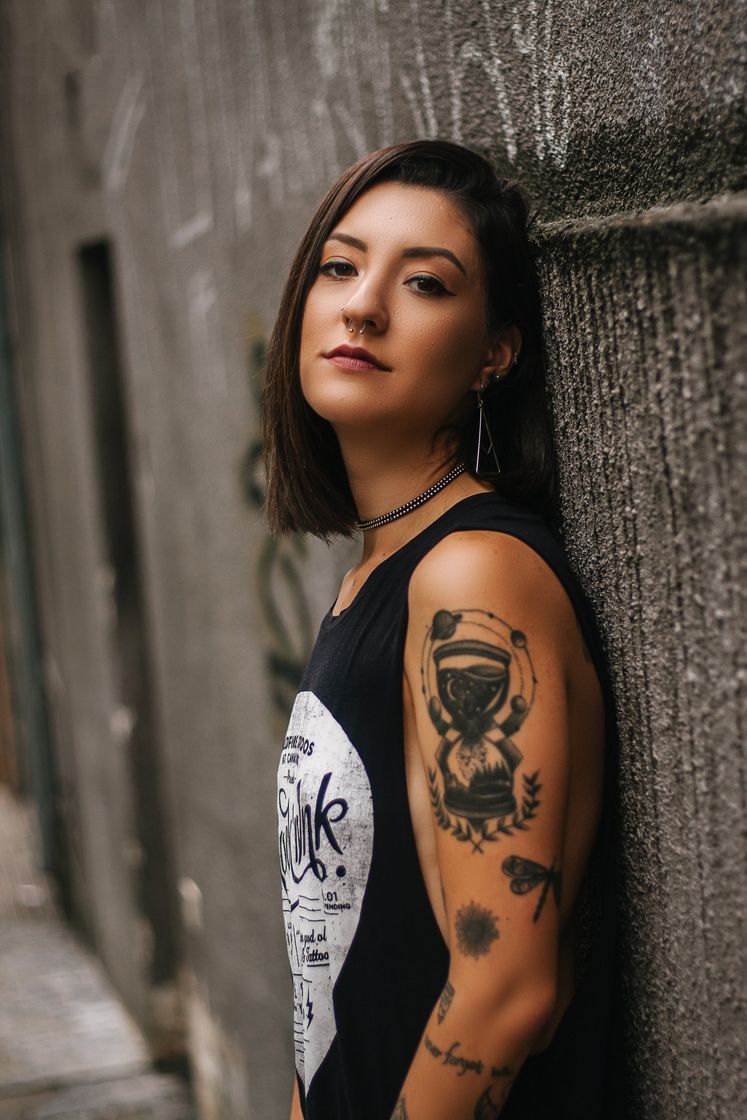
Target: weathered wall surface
<point x="647" y="331"/>
<point x="198" y="138"/>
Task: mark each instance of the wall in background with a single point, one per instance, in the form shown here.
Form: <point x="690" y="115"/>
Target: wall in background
<point x="194" y="140"/>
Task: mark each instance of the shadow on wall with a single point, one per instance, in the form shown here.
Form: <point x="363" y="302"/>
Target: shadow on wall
<point x="285" y="608"/>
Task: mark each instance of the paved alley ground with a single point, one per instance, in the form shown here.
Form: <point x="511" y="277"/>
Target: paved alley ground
<point x="68" y="1049"/>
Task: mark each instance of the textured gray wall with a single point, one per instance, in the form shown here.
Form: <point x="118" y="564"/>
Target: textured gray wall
<point x="199" y="137"/>
<point x="647" y="334"/>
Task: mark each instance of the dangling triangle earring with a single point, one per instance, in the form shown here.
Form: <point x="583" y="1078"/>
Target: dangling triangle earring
<point x="482" y="419"/>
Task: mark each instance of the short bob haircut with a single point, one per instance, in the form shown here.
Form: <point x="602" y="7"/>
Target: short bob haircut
<point x="307" y="485"/>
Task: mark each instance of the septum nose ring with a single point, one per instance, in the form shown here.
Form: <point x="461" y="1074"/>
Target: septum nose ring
<point x="350" y="322"/>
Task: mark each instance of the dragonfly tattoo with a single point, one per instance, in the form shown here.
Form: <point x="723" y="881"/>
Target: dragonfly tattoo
<point x="525" y="875"/>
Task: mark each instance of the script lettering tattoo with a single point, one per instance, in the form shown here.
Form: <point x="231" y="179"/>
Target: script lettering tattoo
<point x="478" y="683"/>
<point x="525" y="875"/>
<point x="451" y="1058"/>
<point x="476" y="930"/>
<point x="504" y="1071"/>
<point x="400" y="1110"/>
<point x="444" y="1002"/>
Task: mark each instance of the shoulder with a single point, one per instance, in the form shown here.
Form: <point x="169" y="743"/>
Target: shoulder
<point x="499" y="585"/>
<point x="489" y="568"/>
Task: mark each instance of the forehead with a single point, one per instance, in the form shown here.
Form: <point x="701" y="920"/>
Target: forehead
<point x="397" y="215"/>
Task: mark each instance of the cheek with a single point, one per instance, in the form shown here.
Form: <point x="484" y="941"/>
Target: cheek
<point x="318" y="334"/>
<point x="310" y="315"/>
<point x="450" y="345"/>
<point x="321" y="316"/>
<point x="311" y="326"/>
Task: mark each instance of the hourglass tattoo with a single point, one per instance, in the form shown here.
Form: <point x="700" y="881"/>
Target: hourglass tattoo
<point x="478" y="683"/>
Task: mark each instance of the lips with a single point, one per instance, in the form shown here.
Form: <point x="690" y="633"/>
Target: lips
<point x="355" y="357"/>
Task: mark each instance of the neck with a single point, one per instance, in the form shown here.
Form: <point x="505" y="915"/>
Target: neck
<point x="381" y="481"/>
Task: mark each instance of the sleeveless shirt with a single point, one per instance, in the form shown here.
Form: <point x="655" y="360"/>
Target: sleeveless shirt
<point x="367" y="957"/>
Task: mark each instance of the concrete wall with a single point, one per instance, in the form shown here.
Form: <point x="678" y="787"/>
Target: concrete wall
<point x="198" y="138"/>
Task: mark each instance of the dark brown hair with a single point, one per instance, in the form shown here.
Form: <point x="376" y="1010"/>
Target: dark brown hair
<point x="307" y="484"/>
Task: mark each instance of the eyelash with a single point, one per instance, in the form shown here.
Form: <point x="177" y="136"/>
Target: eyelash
<point x="325" y="268"/>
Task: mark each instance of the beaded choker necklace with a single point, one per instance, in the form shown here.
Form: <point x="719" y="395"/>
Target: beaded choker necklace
<point x="400" y="511"/>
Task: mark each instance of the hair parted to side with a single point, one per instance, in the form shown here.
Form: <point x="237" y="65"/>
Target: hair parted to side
<point x="307" y="484"/>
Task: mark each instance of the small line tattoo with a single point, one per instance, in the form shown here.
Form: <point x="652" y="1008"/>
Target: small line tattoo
<point x="400" y="1110"/>
<point x="445" y="1001"/>
<point x="488" y="1108"/>
<point x="476" y="930"/>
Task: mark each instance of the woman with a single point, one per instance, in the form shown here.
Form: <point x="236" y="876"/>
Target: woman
<point x="444" y="789"/>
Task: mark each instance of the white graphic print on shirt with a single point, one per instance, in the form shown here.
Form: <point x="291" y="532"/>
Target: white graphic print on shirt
<point x="325" y="841"/>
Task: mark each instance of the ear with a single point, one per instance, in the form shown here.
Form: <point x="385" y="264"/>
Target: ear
<point x="499" y="356"/>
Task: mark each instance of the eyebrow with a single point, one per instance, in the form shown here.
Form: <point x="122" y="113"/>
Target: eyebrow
<point x="415" y="251"/>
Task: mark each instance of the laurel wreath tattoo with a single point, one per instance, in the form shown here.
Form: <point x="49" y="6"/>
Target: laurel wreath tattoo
<point x="478" y="831"/>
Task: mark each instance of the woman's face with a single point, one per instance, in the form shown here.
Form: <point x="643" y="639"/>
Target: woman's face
<point x="404" y="259"/>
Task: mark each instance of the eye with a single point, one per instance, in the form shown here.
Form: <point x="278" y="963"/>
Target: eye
<point x="437" y="291"/>
<point x="327" y="267"/>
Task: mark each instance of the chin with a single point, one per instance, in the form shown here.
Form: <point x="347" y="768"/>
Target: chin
<point x="348" y="411"/>
<point x="344" y="414"/>
<point x="339" y="398"/>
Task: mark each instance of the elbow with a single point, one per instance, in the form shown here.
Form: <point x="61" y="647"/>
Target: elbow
<point x="522" y="1011"/>
<point x="525" y="1016"/>
<point x="534" y="1010"/>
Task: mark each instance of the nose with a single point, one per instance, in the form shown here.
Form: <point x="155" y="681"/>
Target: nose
<point x="364" y="312"/>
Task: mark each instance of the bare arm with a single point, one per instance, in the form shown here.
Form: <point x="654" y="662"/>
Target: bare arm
<point x="485" y="667"/>
<point x="295" y="1112"/>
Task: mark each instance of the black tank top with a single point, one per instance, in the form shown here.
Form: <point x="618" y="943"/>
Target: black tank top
<point x="367" y="957"/>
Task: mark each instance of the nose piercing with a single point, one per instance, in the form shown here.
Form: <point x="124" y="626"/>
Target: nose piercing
<point x="350" y="322"/>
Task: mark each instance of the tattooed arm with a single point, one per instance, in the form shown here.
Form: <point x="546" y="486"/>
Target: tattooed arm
<point x="485" y="666"/>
